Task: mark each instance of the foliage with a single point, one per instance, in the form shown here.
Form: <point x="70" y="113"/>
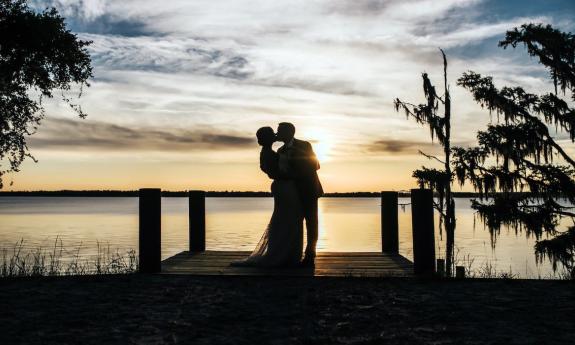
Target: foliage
<point x="38" y="56"/>
<point x="519" y="154"/>
<point x="439" y="180"/>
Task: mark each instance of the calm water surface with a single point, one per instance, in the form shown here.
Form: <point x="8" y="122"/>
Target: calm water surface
<point x="237" y="223"/>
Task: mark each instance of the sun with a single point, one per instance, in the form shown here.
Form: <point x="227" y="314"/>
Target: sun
<point x="322" y="143"/>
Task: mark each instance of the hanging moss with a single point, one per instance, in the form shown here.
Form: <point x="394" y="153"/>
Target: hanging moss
<point x="439" y="180"/>
<point x="524" y="150"/>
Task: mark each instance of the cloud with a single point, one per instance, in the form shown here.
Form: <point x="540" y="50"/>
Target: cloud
<point x="81" y="9"/>
<point x="401" y="147"/>
<point x="474" y="33"/>
<point x="59" y="133"/>
<point x="108" y="24"/>
<point x="408" y="147"/>
<point x="166" y="54"/>
<point x="334" y="65"/>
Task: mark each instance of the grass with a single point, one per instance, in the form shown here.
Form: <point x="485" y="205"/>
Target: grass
<point x="58" y="261"/>
<point x="488" y="270"/>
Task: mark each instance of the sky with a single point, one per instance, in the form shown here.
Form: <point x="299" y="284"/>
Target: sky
<point x="180" y="88"/>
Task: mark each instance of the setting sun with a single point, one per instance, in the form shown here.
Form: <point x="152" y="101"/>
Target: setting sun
<point x="322" y="143"/>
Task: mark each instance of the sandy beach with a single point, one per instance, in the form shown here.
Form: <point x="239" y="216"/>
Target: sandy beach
<point x="169" y="309"/>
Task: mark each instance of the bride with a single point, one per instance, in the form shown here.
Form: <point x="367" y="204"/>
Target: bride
<point x="282" y="241"/>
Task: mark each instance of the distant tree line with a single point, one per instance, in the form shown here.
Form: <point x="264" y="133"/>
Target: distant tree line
<point x="210" y="194"/>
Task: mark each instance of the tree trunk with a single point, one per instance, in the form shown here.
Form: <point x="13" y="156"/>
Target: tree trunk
<point x="450" y="205"/>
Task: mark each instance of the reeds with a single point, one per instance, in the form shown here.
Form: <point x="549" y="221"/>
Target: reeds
<point x="57" y="260"/>
<point x="488" y="270"/>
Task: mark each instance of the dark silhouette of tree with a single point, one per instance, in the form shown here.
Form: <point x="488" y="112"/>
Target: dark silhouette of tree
<point x="439" y="180"/>
<point x="518" y="153"/>
<point x="38" y="56"/>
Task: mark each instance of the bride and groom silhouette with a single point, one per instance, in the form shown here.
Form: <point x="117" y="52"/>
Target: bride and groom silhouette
<point x="296" y="189"/>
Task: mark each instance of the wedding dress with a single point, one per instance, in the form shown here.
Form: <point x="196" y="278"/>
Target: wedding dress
<point x="282" y="241"/>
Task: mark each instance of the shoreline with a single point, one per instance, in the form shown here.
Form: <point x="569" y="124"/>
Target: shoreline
<point x="171" y="309"/>
<point x="209" y="194"/>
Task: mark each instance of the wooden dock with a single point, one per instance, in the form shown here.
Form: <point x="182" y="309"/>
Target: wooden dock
<point x="329" y="264"/>
<point x="199" y="261"/>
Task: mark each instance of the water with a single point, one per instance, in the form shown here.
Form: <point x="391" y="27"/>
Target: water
<point x="346" y="224"/>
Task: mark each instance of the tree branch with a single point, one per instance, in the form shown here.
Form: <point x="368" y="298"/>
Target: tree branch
<point x="430" y="157"/>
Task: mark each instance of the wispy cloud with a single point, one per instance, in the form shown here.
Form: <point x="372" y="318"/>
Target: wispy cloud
<point x="401" y="147"/>
<point x="166" y="54"/>
<point x="58" y="133"/>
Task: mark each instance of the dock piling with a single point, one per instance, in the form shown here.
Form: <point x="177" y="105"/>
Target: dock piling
<point x="423" y="232"/>
<point x="389" y="223"/>
<point x="150" y="230"/>
<point x="197" y="220"/>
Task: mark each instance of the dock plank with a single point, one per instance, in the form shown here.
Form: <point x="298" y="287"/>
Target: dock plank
<point x="333" y="264"/>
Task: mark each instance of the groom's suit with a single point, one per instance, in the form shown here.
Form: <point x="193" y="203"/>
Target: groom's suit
<point x="298" y="162"/>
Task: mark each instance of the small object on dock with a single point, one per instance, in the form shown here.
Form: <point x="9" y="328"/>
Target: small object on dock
<point x="459" y="272"/>
<point x="441" y="268"/>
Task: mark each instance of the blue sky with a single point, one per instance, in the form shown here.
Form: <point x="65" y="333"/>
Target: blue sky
<point x="181" y="87"/>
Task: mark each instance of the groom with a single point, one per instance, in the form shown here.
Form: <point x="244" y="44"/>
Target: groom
<point x="298" y="161"/>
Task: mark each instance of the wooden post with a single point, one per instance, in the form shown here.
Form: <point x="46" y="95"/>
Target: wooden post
<point x="150" y="236"/>
<point x="197" y="219"/>
<point x="423" y="231"/>
<point x="389" y="224"/>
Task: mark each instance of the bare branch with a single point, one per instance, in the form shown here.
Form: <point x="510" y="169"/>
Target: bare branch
<point x="430" y="157"/>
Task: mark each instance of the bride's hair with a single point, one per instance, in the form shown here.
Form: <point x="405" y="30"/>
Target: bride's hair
<point x="266" y="136"/>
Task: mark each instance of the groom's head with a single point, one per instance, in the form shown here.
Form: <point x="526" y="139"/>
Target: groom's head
<point x="286" y="132"/>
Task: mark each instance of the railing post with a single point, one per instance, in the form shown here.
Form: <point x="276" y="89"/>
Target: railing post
<point x="197" y="220"/>
<point x="423" y="231"/>
<point x="389" y="224"/>
<point x="150" y="235"/>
